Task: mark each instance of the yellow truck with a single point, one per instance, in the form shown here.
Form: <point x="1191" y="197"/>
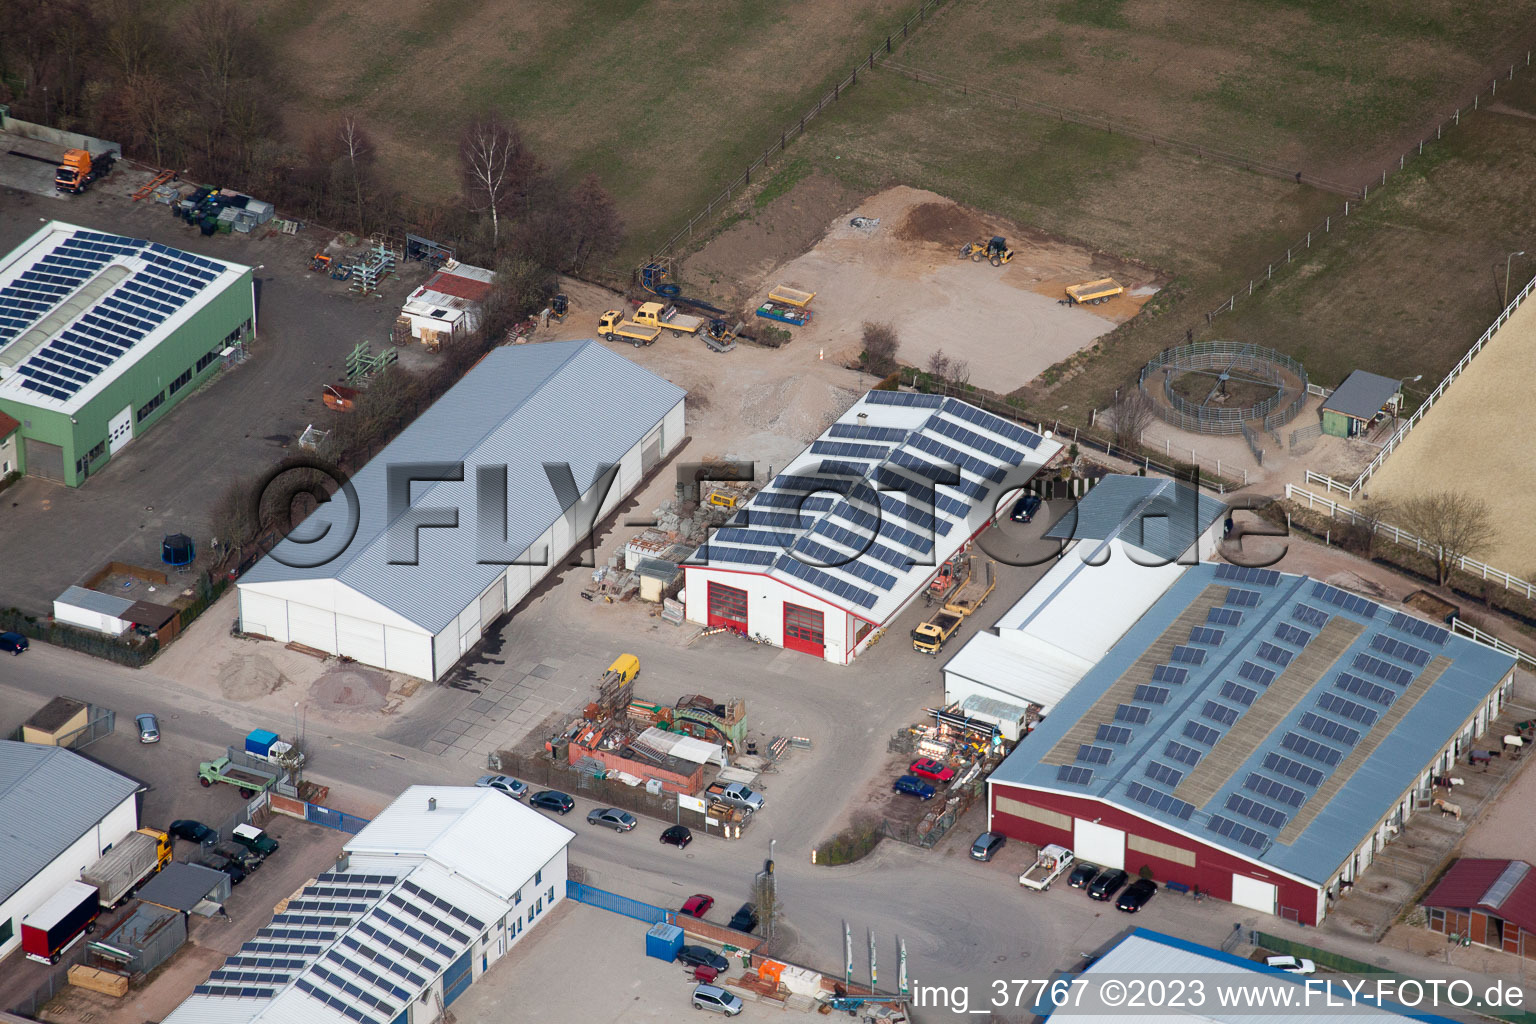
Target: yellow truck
<point x="791" y="296"/>
<point x="1091" y="293"/>
<point x="971" y="593"/>
<point x="652" y="314"/>
<point x="929" y="637"/>
<point x="614" y="326"/>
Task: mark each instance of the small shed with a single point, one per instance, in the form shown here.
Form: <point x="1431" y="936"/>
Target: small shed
<point x="57" y="720"/>
<point x="143" y="941"/>
<point x="1359" y="402"/>
<point x="656" y="575"/>
<point x="159" y="620"/>
<point x="1490" y="902"/>
<point x="91" y="609"/>
<point x="1012" y="720"/>
<point x="187" y="888"/>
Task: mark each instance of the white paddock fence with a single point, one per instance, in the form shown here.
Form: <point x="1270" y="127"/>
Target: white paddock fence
<point x="1348" y="490"/>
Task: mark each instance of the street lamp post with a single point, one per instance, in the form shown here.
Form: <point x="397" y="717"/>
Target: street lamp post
<point x="1507" y="260"/>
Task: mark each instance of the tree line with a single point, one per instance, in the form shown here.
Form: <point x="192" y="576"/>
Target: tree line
<point x="204" y="97"/>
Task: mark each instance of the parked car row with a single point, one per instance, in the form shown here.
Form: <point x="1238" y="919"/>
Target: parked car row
<point x="562" y="804"/>
<point x="239" y="855"/>
<point x="1103" y="884"/>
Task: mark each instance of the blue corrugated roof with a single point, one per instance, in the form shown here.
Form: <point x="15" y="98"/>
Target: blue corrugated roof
<point x="1161" y="516"/>
<point x="527" y="406"/>
<point x="49" y="798"/>
<point x="1279" y="615"/>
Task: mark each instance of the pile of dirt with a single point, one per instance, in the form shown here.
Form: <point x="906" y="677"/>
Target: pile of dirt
<point x="947" y="223"/>
<point x="349" y="688"/>
<point x="798" y="407"/>
<point x="249" y="676"/>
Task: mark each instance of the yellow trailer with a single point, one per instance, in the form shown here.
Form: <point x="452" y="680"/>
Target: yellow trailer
<point x="1092" y="293"/>
<point x="791" y="296"/>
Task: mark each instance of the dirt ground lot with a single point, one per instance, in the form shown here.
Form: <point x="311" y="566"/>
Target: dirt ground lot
<point x="1476" y="438"/>
<point x="1006" y="322"/>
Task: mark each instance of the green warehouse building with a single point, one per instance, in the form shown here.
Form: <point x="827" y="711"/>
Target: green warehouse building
<point x="101" y="336"/>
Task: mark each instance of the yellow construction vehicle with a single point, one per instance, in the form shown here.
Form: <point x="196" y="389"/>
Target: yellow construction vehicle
<point x="972" y="593"/>
<point x="613" y="325"/>
<point x="80" y="168"/>
<point x="1091" y="293"/>
<point x="929" y="637"/>
<point x="995" y="251"/>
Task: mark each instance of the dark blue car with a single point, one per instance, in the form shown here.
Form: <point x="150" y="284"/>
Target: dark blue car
<point x="914" y="786"/>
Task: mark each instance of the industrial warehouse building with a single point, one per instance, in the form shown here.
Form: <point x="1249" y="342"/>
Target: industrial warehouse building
<point x="1258" y="734"/>
<point x="1122" y="546"/>
<point x="61" y="813"/>
<point x="1146" y="954"/>
<point x="411" y="592"/>
<point x="426" y="898"/>
<point x="856" y="526"/>
<point x="101" y="336"/>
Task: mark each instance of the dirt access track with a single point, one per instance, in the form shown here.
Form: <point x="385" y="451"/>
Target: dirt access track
<point x="1007" y="323"/>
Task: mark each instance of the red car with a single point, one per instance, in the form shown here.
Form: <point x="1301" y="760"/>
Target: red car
<point x="697" y="905"/>
<point x="928" y="768"/>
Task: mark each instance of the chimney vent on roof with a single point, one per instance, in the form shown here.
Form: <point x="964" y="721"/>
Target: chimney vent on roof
<point x="431" y="803"/>
<point x="863" y="418"/>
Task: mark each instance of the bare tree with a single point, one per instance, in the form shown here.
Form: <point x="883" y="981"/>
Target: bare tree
<point x="594" y="229"/>
<point x="497" y="167"/>
<point x="359" y="151"/>
<point x="938" y="365"/>
<point x="880" y="346"/>
<point x="960" y="372"/>
<point x="1458" y="524"/>
<point x="1369" y="515"/>
<point x="1131" y="413"/>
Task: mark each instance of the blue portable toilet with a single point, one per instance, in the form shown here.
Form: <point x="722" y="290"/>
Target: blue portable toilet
<point x="663" y="940"/>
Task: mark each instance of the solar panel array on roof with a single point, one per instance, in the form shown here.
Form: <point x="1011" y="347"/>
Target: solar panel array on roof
<point x="764" y="538"/>
<point x="1094" y="755"/>
<point x="1206" y="635"/>
<point x="1074" y="774"/>
<point x="904" y="398"/>
<point x="1332" y="702"/>
<point x="1329" y="729"/>
<point x="1160" y="800"/>
<point x="1298" y="744"/>
<point x="1131" y="713"/>
<point x="1238" y="694"/>
<point x="861" y="432"/>
<point x="1188" y="655"/>
<point x="825" y="581"/>
<point x="1256" y="673"/>
<point x="1243" y="598"/>
<point x="1159" y="772"/>
<point x="155" y="291"/>
<point x="822" y="556"/>
<point x="1416" y="656"/>
<point x="1426" y="631"/>
<point x="996" y="424"/>
<point x="1261" y="813"/>
<point x="1169" y="674"/>
<point x="1275" y="655"/>
<point x="1268" y="787"/>
<point x="864" y="545"/>
<point x="1180" y="752"/>
<point x="847" y="450"/>
<point x="713" y="554"/>
<point x="1365" y="688"/>
<point x="1224" y="617"/>
<point x="1344" y="599"/>
<point x="1304" y="774"/>
<point x="933" y="446"/>
<point x="1287" y="633"/>
<point x="1151" y="694"/>
<point x="1247" y="574"/>
<point x="1314" y="617"/>
<point x="1238" y="833"/>
<point x="1201" y="733"/>
<point x="1394" y="674"/>
<point x="1113" y="734"/>
<point x="1218" y="713"/>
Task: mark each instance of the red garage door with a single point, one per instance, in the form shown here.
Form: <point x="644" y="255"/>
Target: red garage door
<point x="727" y="607"/>
<point x="803" y="630"/>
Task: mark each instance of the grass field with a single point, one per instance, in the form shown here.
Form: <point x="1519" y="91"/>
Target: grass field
<point x="1323" y="86"/>
<point x="665" y="99"/>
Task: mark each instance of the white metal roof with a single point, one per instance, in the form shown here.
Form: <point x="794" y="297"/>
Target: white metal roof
<point x="49" y="798"/>
<point x="863" y="516"/>
<point x="78" y="308"/>
<point x="495" y="842"/>
<point x="1021" y="668"/>
<point x="1145" y="954"/>
<point x="94" y="601"/>
<point x="523" y="407"/>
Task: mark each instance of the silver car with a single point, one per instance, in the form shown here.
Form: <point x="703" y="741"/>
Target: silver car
<point x="503" y="784"/>
<point x="149" y="728"/>
<point x="619" y="821"/>
<point x="713" y="997"/>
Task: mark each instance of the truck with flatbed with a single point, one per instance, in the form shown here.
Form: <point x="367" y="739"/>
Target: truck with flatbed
<point x="60" y="922"/>
<point x="131" y="860"/>
<point x="612" y="325"/>
<point x="247" y="777"/>
<point x="735" y="794"/>
<point x="929" y="637"/>
<point x="1053" y="860"/>
<point x="654" y="314"/>
<point x="970" y="594"/>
